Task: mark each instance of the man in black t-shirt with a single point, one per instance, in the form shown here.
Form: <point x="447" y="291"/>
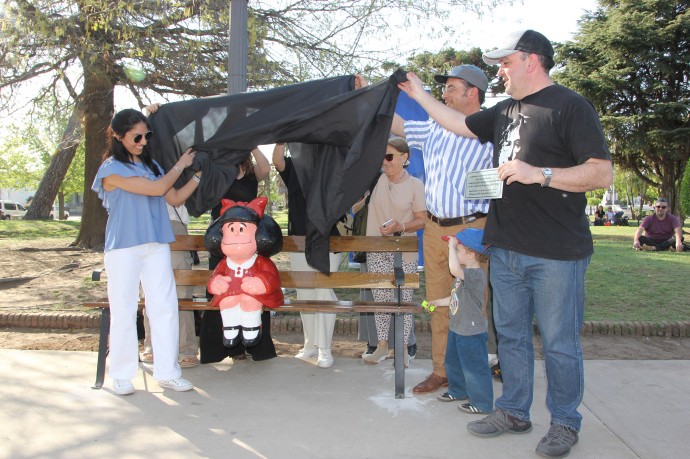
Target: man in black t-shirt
<point x="549" y="149"/>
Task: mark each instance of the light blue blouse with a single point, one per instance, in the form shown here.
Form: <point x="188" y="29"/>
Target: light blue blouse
<point x="133" y="219"/>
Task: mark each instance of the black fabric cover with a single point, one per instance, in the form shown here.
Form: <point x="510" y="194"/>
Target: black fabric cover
<point x="337" y="140"/>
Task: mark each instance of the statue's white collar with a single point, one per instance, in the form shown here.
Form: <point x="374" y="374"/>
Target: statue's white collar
<point x="241" y="267"/>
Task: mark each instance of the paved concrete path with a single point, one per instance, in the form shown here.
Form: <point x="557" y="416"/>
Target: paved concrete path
<point x="285" y="408"/>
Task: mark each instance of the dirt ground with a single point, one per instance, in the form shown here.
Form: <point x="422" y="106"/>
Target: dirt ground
<point x="46" y="275"/>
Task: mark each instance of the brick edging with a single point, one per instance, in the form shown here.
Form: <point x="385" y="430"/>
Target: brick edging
<point x="343" y="325"/>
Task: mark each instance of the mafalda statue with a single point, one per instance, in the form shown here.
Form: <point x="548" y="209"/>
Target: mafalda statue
<point x="246" y="279"/>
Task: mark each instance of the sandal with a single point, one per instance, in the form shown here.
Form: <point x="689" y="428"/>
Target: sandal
<point x="147" y="357"/>
<point x="189" y="362"/>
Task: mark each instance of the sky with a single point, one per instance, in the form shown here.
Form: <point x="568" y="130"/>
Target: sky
<point x="557" y="20"/>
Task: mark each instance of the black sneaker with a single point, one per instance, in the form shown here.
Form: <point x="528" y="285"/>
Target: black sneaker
<point x="496" y="371"/>
<point x="497" y="423"/>
<point x="412" y="350"/>
<point x="557" y="442"/>
<point x="446" y="397"/>
<point x="469" y="408"/>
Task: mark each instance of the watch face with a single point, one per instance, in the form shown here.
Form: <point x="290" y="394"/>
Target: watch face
<point x="546" y="172"/>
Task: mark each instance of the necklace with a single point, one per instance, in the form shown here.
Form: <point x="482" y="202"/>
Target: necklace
<point x="390" y="183"/>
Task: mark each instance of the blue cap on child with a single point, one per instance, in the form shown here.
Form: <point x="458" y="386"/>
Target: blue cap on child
<point x="471" y="238"/>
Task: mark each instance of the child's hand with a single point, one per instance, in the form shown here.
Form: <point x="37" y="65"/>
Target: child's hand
<point x="452" y="242"/>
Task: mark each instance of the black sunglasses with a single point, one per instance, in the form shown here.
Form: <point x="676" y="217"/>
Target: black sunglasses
<point x="389" y="156"/>
<point x="147" y="136"/>
<point x="660" y="207"/>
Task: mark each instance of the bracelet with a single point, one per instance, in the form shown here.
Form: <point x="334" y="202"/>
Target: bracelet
<point x="177" y="169"/>
<point x="196" y="178"/>
<point x="403" y="225"/>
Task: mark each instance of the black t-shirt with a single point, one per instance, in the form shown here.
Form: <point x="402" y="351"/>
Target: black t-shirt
<point x="555" y="127"/>
<point x="297" y="206"/>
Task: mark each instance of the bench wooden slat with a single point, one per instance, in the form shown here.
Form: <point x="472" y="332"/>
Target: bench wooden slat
<point x="201" y="304"/>
<point x="298" y="279"/>
<point x="337" y="244"/>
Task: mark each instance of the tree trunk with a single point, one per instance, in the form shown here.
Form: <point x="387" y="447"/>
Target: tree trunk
<point x="98" y="109"/>
<point x="42" y="204"/>
<point x="61" y="206"/>
<point x="669" y="186"/>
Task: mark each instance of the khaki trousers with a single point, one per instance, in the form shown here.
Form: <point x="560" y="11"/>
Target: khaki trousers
<point x="439" y="282"/>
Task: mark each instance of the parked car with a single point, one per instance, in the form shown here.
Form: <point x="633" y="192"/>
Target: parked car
<point x="11" y="209"/>
<point x="55" y="213"/>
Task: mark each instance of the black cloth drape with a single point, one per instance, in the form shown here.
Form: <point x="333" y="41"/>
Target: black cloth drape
<point x="337" y="139"/>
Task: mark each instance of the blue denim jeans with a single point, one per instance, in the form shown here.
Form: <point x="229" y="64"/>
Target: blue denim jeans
<point x="467" y="367"/>
<point x="553" y="291"/>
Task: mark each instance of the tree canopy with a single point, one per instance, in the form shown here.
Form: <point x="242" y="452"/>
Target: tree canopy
<point x="428" y="64"/>
<point x="630" y="58"/>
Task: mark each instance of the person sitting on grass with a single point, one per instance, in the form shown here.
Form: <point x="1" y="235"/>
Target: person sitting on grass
<point x="469" y="376"/>
<point x="610" y="215"/>
<point x="662" y="229"/>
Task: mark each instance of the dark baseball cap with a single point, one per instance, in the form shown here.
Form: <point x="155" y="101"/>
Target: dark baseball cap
<point x="528" y="41"/>
<point x="470" y="73"/>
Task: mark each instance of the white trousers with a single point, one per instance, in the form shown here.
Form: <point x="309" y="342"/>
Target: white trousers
<point x="148" y="264"/>
<point x="189" y="343"/>
<point x="317" y="326"/>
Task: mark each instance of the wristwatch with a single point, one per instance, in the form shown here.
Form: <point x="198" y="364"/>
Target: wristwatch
<point x="547" y="173"/>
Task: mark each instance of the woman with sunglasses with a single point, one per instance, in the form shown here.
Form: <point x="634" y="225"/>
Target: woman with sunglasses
<point x="397" y="207"/>
<point x="134" y="190"/>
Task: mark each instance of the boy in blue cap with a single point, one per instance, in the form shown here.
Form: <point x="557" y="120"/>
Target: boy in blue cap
<point x="469" y="376"/>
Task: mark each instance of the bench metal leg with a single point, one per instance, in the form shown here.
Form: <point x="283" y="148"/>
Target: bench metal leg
<point x="399" y="362"/>
<point x="102" y="348"/>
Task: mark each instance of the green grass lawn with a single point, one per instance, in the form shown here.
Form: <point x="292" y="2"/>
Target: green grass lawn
<point x="622" y="284"/>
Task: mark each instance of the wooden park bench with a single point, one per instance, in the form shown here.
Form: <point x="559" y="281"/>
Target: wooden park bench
<point x="302" y="279"/>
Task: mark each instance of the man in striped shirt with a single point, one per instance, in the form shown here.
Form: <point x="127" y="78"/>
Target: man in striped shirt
<point x="448" y="158"/>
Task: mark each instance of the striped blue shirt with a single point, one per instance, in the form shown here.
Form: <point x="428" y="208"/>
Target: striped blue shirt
<point x="447" y="160"/>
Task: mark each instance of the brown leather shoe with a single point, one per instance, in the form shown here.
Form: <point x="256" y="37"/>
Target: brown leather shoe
<point x="431" y="384"/>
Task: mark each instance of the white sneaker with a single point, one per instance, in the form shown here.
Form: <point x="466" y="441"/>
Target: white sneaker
<point x="325" y="358"/>
<point x="379" y="355"/>
<point x="177" y="384"/>
<point x="305" y="353"/>
<point x="123" y="386"/>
